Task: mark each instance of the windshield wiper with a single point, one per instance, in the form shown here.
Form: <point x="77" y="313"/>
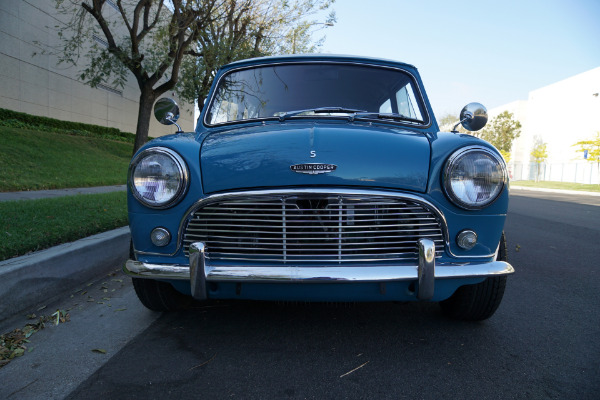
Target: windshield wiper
<point x="320" y="110"/>
<point x="393" y="116"/>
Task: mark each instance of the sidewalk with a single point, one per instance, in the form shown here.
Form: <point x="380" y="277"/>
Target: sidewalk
<point x="42" y="194"/>
<point x="576" y="192"/>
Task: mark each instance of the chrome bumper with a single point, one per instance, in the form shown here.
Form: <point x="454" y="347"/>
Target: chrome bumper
<point x="199" y="271"/>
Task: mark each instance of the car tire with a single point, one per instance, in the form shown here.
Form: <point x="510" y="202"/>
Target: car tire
<point x="156" y="295"/>
<point x="480" y="301"/>
<point x="160" y="296"/>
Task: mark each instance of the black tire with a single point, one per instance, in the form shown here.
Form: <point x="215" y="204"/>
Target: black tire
<point x="157" y="295"/>
<point x="480" y="301"/>
<point x="160" y="296"/>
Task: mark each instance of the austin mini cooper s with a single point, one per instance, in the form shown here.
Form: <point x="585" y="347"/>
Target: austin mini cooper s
<point x="319" y="178"/>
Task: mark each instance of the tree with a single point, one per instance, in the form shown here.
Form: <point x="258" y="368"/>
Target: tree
<point x="506" y="155"/>
<point x="592" y="149"/>
<point x="153" y="39"/>
<point x="447" y="122"/>
<point x="249" y="28"/>
<point x="501" y="131"/>
<point x="147" y="38"/>
<point x="539" y="154"/>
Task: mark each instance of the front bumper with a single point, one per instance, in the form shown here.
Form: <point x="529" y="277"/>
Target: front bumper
<point x="199" y="272"/>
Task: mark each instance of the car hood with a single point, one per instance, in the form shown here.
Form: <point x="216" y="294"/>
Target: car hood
<point x="262" y="156"/>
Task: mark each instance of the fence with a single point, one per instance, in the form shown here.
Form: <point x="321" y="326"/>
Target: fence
<point x="560" y="172"/>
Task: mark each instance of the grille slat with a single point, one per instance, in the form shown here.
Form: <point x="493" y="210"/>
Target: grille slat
<point x="315" y="228"/>
<point x="354" y="216"/>
<point x="266" y="240"/>
<point x="314" y="259"/>
<point x="343" y="243"/>
<point x="303" y="225"/>
<point x="432" y="231"/>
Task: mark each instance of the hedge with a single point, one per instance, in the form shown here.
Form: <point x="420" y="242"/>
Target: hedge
<point x="22" y="120"/>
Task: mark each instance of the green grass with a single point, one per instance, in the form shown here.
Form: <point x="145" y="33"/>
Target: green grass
<point x="558" y="185"/>
<point x="15" y="119"/>
<point x="31" y="225"/>
<point x="35" y="160"/>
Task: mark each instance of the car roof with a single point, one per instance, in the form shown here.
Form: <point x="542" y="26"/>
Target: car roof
<point x="317" y="57"/>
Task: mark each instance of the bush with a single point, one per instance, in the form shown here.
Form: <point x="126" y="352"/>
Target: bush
<point x="16" y="119"/>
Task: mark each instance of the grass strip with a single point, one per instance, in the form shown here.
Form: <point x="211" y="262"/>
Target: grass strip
<point x="31" y="225"/>
<point x="36" y="160"/>
<point x="558" y="185"/>
<point x="17" y="119"/>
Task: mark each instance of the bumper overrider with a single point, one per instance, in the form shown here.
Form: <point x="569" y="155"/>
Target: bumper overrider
<point x="199" y="272"/>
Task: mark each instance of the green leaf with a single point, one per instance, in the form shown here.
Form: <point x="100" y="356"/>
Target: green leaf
<point x="17" y="353"/>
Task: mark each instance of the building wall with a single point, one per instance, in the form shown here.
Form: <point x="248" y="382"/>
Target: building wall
<point x="34" y="83"/>
<point x="559" y="115"/>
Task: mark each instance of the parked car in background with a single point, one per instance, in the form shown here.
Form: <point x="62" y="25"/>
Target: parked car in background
<point x="319" y="178"/>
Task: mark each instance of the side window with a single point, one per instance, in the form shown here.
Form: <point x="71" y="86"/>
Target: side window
<point x="386" y="107"/>
<point x="226" y="112"/>
<point x="402" y="102"/>
<point x="232" y="108"/>
<point x="407" y="104"/>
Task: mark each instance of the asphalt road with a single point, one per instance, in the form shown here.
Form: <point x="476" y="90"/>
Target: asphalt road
<point x="543" y="342"/>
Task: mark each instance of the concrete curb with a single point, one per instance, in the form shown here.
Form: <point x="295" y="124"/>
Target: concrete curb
<point x="32" y="279"/>
<point x="555" y="190"/>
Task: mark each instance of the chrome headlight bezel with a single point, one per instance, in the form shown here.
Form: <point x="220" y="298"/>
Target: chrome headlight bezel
<point x="182" y="174"/>
<point x="452" y="162"/>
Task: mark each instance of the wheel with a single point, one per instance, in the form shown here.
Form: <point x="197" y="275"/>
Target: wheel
<point x="480" y="301"/>
<point x="160" y="296"/>
<point x="157" y="295"/>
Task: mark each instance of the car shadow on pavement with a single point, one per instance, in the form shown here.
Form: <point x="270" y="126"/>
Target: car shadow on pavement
<point x="276" y="350"/>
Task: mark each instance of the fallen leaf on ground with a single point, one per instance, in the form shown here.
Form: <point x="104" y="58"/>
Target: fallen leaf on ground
<point x="349" y="372"/>
<point x="204" y="363"/>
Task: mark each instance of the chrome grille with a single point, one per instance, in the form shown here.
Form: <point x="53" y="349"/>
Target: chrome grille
<point x="313" y="228"/>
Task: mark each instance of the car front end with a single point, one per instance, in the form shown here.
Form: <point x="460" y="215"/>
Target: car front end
<point x="318" y="178"/>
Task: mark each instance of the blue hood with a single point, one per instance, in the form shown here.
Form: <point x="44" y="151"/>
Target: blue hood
<point x="365" y="156"/>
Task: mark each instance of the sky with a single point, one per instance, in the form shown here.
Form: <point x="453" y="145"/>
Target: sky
<point x="492" y="52"/>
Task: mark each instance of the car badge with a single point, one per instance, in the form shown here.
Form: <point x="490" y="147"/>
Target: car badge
<point x="313" y="168"/>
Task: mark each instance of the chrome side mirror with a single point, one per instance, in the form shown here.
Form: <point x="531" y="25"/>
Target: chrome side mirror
<point x="473" y="117"/>
<point x="166" y="111"/>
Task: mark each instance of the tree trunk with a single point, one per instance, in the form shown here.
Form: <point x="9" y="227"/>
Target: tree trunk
<point x="144" y="115"/>
<point x="203" y="91"/>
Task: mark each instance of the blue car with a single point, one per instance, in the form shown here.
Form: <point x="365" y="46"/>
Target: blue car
<point x="319" y="178"/>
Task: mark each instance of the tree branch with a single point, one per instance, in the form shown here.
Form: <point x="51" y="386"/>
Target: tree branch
<point x="193" y="53"/>
<point x="135" y="67"/>
<point x="149" y="26"/>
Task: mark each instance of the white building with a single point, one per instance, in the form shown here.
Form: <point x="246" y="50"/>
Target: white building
<point x="559" y="115"/>
<point x="38" y="85"/>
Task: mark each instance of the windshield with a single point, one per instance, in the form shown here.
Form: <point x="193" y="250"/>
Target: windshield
<point x="272" y="91"/>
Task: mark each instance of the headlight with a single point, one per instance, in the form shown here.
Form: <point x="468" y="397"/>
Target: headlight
<point x="158" y="177"/>
<point x="474" y="177"/>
